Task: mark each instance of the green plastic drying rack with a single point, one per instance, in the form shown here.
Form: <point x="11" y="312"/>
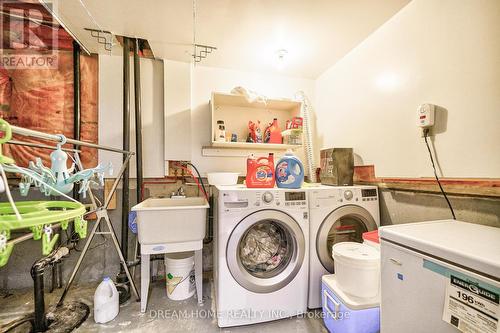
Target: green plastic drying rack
<point x="36" y="216"/>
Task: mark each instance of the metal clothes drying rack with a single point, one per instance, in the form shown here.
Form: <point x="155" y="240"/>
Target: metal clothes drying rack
<point x="100" y="211"/>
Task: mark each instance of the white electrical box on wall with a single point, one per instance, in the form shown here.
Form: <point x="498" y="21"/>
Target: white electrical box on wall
<point x="426" y="115"/>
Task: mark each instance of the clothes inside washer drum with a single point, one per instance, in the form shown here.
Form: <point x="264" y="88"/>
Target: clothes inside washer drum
<point x="263" y="248"/>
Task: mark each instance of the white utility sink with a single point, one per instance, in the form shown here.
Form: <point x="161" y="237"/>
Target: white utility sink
<point x="171" y="220"/>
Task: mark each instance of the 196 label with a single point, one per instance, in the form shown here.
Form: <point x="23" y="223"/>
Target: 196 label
<point x="471" y="307"/>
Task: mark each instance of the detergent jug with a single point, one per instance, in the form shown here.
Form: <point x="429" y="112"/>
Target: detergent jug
<point x="289" y="171"/>
<point x="260" y="172"/>
<point x="272" y="134"/>
<point x="106" y="303"/>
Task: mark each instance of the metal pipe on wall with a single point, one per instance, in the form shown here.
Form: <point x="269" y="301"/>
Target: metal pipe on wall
<point x="77" y="116"/>
<point x="138" y="119"/>
<point x="138" y="134"/>
<point x="39" y="320"/>
<point x="126" y="146"/>
<point x="52" y="137"/>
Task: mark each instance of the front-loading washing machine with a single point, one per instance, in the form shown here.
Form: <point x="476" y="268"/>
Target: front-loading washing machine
<point x="261" y="254"/>
<point x="337" y="214"/>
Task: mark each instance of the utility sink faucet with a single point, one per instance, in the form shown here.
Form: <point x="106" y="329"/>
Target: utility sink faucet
<point x="179" y="194"/>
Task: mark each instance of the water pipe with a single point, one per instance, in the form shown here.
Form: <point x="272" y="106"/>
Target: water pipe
<point x="37" y="271"/>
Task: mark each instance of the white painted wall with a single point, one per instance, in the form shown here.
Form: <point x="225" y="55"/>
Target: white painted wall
<point x="111" y="117"/>
<point x="177" y="110"/>
<point x="444" y="52"/>
<point x="185" y="113"/>
<point x="206" y="80"/>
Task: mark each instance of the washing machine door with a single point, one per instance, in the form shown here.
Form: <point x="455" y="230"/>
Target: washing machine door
<point x="265" y="251"/>
<point x="345" y="224"/>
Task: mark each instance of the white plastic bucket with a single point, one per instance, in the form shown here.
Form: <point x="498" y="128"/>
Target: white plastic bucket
<point x="222" y="178"/>
<point x="106" y="303"/>
<point x="357" y="268"/>
<point x="179" y="271"/>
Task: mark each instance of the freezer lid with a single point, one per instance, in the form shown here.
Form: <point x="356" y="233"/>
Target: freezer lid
<point x="472" y="246"/>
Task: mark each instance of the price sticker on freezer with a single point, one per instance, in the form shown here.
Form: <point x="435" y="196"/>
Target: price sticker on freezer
<point x="471" y="307"/>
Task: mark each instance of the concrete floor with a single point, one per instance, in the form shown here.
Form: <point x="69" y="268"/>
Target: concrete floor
<point x="162" y="315"/>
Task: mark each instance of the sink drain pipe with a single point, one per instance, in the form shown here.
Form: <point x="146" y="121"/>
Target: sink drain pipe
<point x="37" y="271"/>
<point x="138" y="119"/>
<point x="121" y="279"/>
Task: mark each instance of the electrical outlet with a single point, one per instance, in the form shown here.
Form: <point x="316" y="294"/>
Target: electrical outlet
<point x="425" y="114"/>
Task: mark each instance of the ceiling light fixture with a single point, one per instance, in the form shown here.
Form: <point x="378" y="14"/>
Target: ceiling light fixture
<point x="387" y="81"/>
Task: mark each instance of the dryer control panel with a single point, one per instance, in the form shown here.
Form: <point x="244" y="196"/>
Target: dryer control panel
<point x="369" y="194"/>
<point x="338" y="196"/>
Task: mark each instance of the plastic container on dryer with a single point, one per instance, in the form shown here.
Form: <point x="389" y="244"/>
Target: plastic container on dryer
<point x="289" y="171"/>
<point x="357" y="268"/>
<point x="106" y="302"/>
<point x="260" y="172"/>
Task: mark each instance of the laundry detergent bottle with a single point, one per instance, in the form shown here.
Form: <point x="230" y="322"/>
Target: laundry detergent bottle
<point x="289" y="171"/>
<point x="260" y="172"/>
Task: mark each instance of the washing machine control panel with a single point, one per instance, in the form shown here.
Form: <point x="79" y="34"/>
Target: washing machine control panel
<point x="348" y="195"/>
<point x="265" y="198"/>
<point x="295" y="198"/>
<point x="280" y="198"/>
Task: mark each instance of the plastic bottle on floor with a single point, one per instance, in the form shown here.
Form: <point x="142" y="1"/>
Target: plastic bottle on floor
<point x="106" y="302"/>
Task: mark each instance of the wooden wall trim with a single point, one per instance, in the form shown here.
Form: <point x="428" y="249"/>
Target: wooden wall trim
<point x="476" y="187"/>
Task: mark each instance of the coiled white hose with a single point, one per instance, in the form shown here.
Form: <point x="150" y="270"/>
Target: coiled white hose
<point x="305" y="111"/>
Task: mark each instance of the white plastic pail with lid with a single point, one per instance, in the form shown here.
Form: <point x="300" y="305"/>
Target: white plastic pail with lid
<point x="179" y="269"/>
<point x="357" y="268"/>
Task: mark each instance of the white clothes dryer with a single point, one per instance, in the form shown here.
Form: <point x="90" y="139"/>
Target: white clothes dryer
<point x="337" y="214"/>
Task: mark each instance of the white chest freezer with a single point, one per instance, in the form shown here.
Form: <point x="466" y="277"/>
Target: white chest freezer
<point x="440" y="276"/>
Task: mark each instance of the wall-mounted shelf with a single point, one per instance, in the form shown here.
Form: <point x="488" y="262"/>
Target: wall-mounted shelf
<point x="236" y="111"/>
<point x="243" y="149"/>
<point x="250" y="145"/>
<point x="220" y="99"/>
